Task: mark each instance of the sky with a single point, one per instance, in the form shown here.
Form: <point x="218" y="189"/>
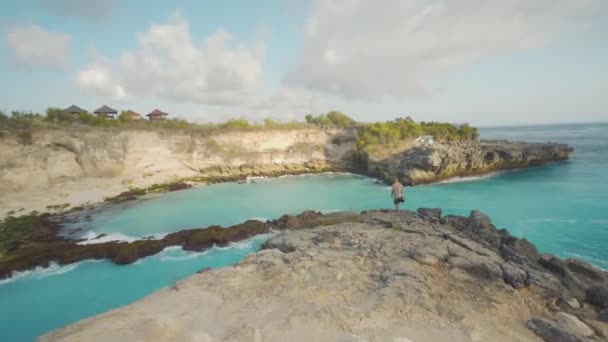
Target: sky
<point x="485" y="62"/>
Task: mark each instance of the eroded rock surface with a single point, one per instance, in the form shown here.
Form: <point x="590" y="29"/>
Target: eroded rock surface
<point x="378" y="276"/>
<point x="425" y="163"/>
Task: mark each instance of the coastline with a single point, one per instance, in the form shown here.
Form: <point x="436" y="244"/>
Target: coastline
<point x="497" y="287"/>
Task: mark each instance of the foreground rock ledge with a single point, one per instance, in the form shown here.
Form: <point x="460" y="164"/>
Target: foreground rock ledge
<point x="379" y="276"/>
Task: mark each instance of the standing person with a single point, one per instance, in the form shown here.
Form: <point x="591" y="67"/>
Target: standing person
<point x="397" y="193"/>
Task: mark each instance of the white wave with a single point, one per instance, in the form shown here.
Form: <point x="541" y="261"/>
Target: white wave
<point x="244" y="244"/>
<point x="329" y="211"/>
<point x="601" y="221"/>
<point x="470" y="178"/>
<point x="44" y="272"/>
<point x="596" y="262"/>
<point x="553" y="220"/>
<point x="92" y="238"/>
<point x="256" y="218"/>
<point x="176" y="253"/>
<point x="254" y="178"/>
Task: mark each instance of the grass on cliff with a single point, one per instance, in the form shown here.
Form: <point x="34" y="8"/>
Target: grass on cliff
<point x="23" y="122"/>
<point x="14" y="232"/>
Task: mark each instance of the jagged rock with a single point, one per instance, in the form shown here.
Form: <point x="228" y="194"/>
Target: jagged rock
<point x="429" y="163"/>
<point x="514" y="275"/>
<point x="573" y="324"/>
<point x="603" y="315"/>
<point x="431" y="214"/>
<point x="521" y="247"/>
<point x="598" y="296"/>
<point x="481" y="226"/>
<point x="551" y="331"/>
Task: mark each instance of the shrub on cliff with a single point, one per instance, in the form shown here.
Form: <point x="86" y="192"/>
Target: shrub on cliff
<point x="332" y="118"/>
<point x="236" y="123"/>
<point x="391" y="133"/>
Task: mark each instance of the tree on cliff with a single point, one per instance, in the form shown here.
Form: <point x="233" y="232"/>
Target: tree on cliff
<point x="332" y="118"/>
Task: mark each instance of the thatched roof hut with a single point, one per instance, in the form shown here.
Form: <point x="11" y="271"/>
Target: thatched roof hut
<point x="157" y="115"/>
<point x="105" y="112"/>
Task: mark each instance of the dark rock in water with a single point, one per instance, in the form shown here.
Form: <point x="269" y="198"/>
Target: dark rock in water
<point x="551" y="331"/>
<point x="598" y="296"/>
<point x="126" y="253"/>
<point x="179" y="186"/>
<point x="290" y="222"/>
<point x="430" y="214"/>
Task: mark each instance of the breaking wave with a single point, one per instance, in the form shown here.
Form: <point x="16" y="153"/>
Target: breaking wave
<point x="44" y="272"/>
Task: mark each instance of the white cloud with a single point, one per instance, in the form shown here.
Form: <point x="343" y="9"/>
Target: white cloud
<point x="370" y="50"/>
<point x="34" y="46"/>
<point x="98" y="77"/>
<point x="169" y="65"/>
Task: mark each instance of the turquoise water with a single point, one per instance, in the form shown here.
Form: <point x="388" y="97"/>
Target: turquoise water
<point x="562" y="208"/>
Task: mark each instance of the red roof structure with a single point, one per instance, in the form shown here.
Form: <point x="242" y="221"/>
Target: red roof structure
<point x="157" y="115"/>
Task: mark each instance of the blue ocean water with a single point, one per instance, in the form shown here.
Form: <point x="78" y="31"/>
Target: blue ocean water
<point x="562" y="208"/>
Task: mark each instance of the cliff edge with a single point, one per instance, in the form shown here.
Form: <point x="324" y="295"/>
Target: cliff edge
<point x="73" y="166"/>
<point x="377" y="276"/>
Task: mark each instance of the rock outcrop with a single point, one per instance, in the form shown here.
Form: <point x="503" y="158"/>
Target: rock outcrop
<point x="427" y="163"/>
<point x="377" y="276"/>
<point x="44" y="243"/>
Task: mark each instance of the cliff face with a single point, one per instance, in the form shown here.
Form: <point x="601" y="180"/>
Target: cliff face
<point x="378" y="276"/>
<point x="78" y="165"/>
<point x="56" y="156"/>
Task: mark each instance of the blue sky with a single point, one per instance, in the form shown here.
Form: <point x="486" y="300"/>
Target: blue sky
<point x="483" y="62"/>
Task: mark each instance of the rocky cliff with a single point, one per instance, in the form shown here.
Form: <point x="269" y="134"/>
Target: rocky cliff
<point x="428" y="163"/>
<point x="378" y="276"/>
<point x="78" y="165"/>
<point x="75" y="165"/>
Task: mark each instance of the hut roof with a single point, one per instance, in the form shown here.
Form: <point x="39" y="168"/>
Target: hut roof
<point x="132" y="113"/>
<point x="74" y="109"/>
<point x="157" y="112"/>
<point x="105" y="109"/>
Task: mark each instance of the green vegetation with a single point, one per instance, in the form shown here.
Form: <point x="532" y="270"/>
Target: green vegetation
<point x="374" y="136"/>
<point x="14" y="231"/>
<point x="332" y="118"/>
<point x="391" y="133"/>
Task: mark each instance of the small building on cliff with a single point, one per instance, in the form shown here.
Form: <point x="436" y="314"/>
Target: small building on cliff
<point x="75" y="110"/>
<point x="157" y="115"/>
<point x="105" y="112"/>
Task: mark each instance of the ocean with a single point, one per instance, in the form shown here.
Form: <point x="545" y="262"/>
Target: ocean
<point x="562" y="208"/>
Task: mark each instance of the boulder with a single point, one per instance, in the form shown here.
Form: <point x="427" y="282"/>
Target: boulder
<point x="598" y="296"/>
<point x="481" y="229"/>
<point x="573" y="324"/>
<point x="514" y="275"/>
<point x="551" y="331"/>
